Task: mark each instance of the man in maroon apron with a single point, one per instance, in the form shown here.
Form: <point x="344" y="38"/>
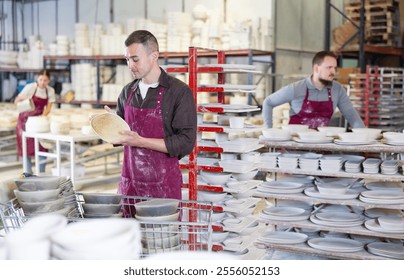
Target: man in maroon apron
<point x="314" y="99"/>
<point x="161" y="113"/>
<point x="43" y="105"/>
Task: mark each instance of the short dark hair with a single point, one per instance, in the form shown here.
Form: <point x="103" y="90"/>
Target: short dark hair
<point x="44" y="72"/>
<point x="143" y="37"/>
<point x="319" y="57"/>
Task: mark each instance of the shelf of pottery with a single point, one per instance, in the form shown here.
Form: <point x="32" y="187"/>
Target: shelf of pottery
<point x="378" y="97"/>
<point x="225" y="161"/>
<point x="344" y="205"/>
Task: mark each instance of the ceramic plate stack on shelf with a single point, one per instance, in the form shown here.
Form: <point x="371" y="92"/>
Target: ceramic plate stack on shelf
<point x="384" y="186"/>
<point x="269" y="160"/>
<point x="386" y="224"/>
<point x="331" y="131"/>
<point x="328" y="194"/>
<point x="393" y="138"/>
<point x="351" y="138"/>
<point x="335" y="244"/>
<point x="383" y="197"/>
<point x="337" y="219"/>
<point x="288" y="161"/>
<point x="280" y="187"/>
<point x="284" y="214"/>
<point x="381" y="212"/>
<point x="384" y="249"/>
<point x="283" y="237"/>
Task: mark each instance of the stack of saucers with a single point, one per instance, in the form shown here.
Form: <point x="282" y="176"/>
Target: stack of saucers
<point x="371" y="165"/>
<point x="389" y="167"/>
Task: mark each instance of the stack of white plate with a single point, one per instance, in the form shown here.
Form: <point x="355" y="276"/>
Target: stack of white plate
<point x="284" y="214"/>
<point x="389" y="167"/>
<point x="384" y="249"/>
<point x="313" y="192"/>
<point x="309" y="161"/>
<point x="335" y="244"/>
<point x="337" y="219"/>
<point x="280" y="187"/>
<point x="391" y="223"/>
<point x="331" y="163"/>
<point x="384" y="186"/>
<point x="276" y="134"/>
<point x="269" y="160"/>
<point x="353" y="164"/>
<point x="371" y="165"/>
<point x="99" y="239"/>
<point x="383" y="197"/>
<point x="382" y="212"/>
<point x="393" y="138"/>
<point x="374" y="225"/>
<point x="288" y="161"/>
<point x="282" y="237"/>
<point x="312" y="136"/>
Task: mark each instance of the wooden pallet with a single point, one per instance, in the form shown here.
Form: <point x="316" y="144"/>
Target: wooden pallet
<point x="373" y="2"/>
<point x="381" y="30"/>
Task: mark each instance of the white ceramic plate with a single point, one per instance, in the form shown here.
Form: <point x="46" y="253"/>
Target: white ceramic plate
<point x="334" y="244"/>
<point x="373" y="225"/>
<point x="283" y="211"/>
<point x="350" y="194"/>
<point x="399" y="194"/>
<point x="336" y="223"/>
<point x="339" y="216"/>
<point x="108" y="125"/>
<point x="283" y="237"/>
<point x="346" y="143"/>
<point x="314" y="141"/>
<point x="385" y="249"/>
<point x="381" y="201"/>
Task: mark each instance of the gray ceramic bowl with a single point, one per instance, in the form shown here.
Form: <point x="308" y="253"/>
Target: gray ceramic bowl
<point x="38" y="183"/>
<point x="102" y="198"/>
<point x="42" y="207"/>
<point x="37" y="196"/>
<point x="101" y="208"/>
<point x="156" y="207"/>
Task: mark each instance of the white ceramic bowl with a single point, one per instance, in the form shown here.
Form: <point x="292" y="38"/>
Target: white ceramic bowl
<point x="236" y="122"/>
<point x="37" y="183"/>
<point x="245" y="176"/>
<point x="251" y="157"/>
<point x="372" y="133"/>
<point x="311" y="135"/>
<point x="331" y="131"/>
<point x="37" y="196"/>
<point x="211" y="196"/>
<point x="215" y="178"/>
<point x="295" y="128"/>
<point x="394" y="136"/>
<point x="42" y="207"/>
<point x="353" y="137"/>
<point x="245" y="194"/>
<point x="276" y="133"/>
<point x="391" y="222"/>
<point x="332" y="188"/>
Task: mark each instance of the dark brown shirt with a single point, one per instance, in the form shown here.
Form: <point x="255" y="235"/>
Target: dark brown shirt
<point x="178" y="110"/>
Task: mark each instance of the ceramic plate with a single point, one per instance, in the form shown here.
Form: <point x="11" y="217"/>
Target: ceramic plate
<point x="350" y="194"/>
<point x="283" y="211"/>
<point x="339" y="216"/>
<point x="283" y="237"/>
<point x="314" y="141"/>
<point x="373" y="225"/>
<point x="340" y="142"/>
<point x="335" y="244"/>
<point x="336" y="223"/>
<point x="108" y="125"/>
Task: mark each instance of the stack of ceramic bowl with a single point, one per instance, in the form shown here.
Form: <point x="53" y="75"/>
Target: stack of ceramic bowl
<point x="48" y="194"/>
<point x="393" y="138"/>
<point x="288" y="161"/>
<point x="372" y="133"/>
<point x="37" y="124"/>
<point x="371" y="165"/>
<point x="98" y="239"/>
<point x="309" y="161"/>
<point x="295" y="128"/>
<point x="331" y="131"/>
<point x="160" y="232"/>
<point x="276" y="134"/>
<point x="101" y="205"/>
<point x="312" y="136"/>
<point x="331" y="163"/>
<point x="389" y="167"/>
<point x="269" y="160"/>
<point x="353" y="164"/>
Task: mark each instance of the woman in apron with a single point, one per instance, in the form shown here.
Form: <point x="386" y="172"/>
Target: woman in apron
<point x="42" y="96"/>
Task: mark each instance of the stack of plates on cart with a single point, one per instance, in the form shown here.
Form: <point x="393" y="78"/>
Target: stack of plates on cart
<point x="353" y="164"/>
<point x="282" y="237"/>
<point x="383" y="197"/>
<point x="47" y="194"/>
<point x="389" y="167"/>
<point x="281" y="187"/>
<point x="269" y="160"/>
<point x="371" y="165"/>
<point x="288" y="161"/>
<point x="284" y="214"/>
<point x="337" y="219"/>
<point x="309" y="161"/>
<point x="331" y="163"/>
<point x="335" y="244"/>
<point x="384" y="249"/>
<point x="97" y="239"/>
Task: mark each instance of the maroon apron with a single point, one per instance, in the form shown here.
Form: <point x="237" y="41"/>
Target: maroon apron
<point x="145" y="172"/>
<point x="314" y="113"/>
<point x="40" y="104"/>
